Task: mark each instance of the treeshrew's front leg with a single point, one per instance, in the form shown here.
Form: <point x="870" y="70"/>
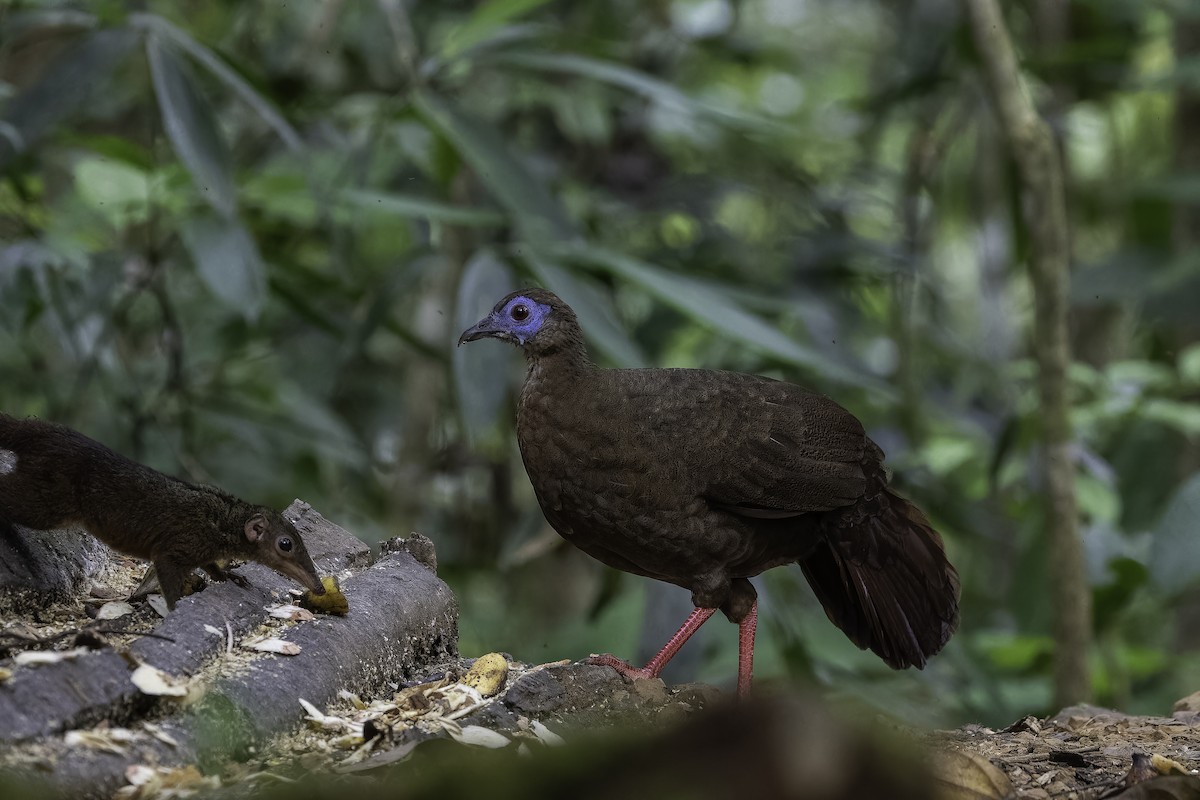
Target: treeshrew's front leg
<point x="219" y="573"/>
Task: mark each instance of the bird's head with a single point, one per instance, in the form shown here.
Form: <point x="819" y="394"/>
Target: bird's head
<point x="533" y="319"/>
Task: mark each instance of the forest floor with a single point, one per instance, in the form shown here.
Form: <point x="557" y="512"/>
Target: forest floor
<point x="1082" y="753"/>
<point x="451" y="713"/>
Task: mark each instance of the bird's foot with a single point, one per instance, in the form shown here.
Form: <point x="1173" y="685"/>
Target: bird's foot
<point x="624" y="667"/>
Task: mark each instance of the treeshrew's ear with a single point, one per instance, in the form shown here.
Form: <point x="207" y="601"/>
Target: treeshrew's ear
<point x="256" y="527"/>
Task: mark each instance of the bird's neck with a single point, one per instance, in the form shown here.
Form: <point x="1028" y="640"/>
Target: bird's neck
<point x="556" y="367"/>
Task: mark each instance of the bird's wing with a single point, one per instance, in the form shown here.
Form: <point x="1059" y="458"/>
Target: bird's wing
<point x="758" y="447"/>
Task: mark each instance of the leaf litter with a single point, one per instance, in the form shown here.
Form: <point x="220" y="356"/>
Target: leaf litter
<point x="357" y="734"/>
<point x="1081" y="753"/>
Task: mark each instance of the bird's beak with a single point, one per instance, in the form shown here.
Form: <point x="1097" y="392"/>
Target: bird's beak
<point x="481" y="330"/>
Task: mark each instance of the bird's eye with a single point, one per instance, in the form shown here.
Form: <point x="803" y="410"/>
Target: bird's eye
<point x="284" y="544"/>
<point x="520" y="313"/>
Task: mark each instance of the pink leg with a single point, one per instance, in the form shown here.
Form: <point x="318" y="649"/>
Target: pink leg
<point x="656" y="664"/>
<point x="746" y="630"/>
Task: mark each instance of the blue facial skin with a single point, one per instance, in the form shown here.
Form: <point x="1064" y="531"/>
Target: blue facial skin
<point x="516" y="321"/>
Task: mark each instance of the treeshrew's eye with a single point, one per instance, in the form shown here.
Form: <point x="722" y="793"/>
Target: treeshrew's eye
<point x="284" y="544"/>
<point x="520" y="313"/>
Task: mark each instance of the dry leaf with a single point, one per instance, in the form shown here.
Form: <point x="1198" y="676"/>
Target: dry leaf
<point x="328" y="721"/>
<point x="5" y="674"/>
<point x="352" y="698"/>
<point x="111" y="740"/>
<point x="291" y="612"/>
<point x="273" y="645"/>
<point x="399" y="753"/>
<point x="488" y="674"/>
<point x="139" y="774"/>
<point x="153" y="681"/>
<point x="163" y="782"/>
<point x="968" y="776"/>
<point x="478" y="736"/>
<point x="458" y="700"/>
<point x="158" y="733"/>
<point x="545" y="735"/>
<point x="114" y="610"/>
<point x="159" y="605"/>
<point x="32" y="657"/>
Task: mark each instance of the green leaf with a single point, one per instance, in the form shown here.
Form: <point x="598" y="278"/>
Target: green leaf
<point x="1184" y="417"/>
<point x="1174" y="546"/>
<point x="223" y="72"/>
<point x="420" y="208"/>
<point x="1189" y="364"/>
<point x="707" y="305"/>
<point x="1098" y="500"/>
<point x="64" y="88"/>
<point x="1139" y="375"/>
<point x="480" y="374"/>
<point x="322" y="429"/>
<point x="632" y="80"/>
<point x="228" y="262"/>
<point x="487" y="18"/>
<point x="118" y="191"/>
<point x="593" y="309"/>
<point x="536" y="213"/>
<point x="192" y="127"/>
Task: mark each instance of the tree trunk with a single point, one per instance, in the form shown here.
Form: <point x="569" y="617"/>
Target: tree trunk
<point x="1040" y="172"/>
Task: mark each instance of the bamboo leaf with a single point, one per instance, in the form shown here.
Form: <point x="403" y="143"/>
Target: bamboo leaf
<point x="228" y="262"/>
<point x="536" y="214"/>
<point x="420" y="208"/>
<point x="223" y="72"/>
<point x="65" y="87"/>
<point x="192" y="127"/>
<point x="486" y="20"/>
<point x="633" y="80"/>
<point x="709" y="306"/>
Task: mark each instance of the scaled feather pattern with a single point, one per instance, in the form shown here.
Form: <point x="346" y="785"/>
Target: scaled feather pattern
<point x="704" y="478"/>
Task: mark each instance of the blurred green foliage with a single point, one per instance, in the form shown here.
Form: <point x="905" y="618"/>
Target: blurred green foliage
<point x="238" y="240"/>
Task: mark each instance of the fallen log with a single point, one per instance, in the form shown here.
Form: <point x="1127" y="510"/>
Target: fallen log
<point x="402" y="620"/>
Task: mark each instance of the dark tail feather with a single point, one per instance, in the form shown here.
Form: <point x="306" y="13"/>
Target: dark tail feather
<point x="883" y="578"/>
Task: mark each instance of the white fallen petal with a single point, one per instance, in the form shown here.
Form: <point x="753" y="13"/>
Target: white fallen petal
<point x="139" y="774"/>
<point x="153" y="681"/>
<point x="30" y="657"/>
<point x="114" y="610"/>
<point x="158" y="603"/>
<point x="214" y="630"/>
<point x="326" y="721"/>
<point x="290" y="612"/>
<point x="111" y="740"/>
<point x="545" y="735"/>
<point x="273" y="645"/>
<point x="314" y="713"/>
<point x="479" y="736"/>
<point x="158" y="733"/>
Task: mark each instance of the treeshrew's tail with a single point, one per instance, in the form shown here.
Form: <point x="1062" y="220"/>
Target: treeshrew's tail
<point x="882" y="576"/>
